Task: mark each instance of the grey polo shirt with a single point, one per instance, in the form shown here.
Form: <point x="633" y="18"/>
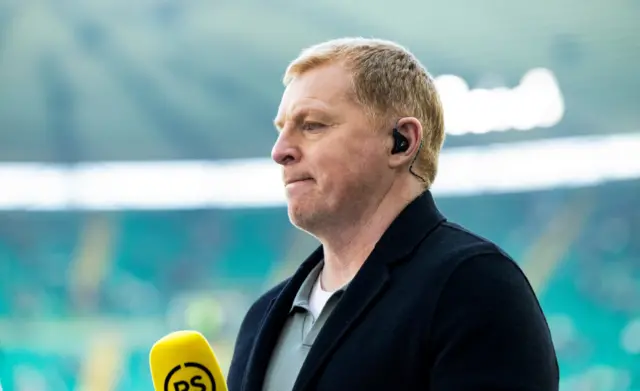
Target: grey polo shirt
<point x="297" y="336"/>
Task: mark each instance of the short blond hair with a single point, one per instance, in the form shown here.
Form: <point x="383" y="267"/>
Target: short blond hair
<point x="388" y="81"/>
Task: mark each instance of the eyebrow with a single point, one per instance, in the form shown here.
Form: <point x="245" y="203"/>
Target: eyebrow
<point x="278" y="123"/>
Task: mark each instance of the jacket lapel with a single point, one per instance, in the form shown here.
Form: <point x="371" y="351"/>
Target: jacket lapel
<point x="272" y="324"/>
<point x="370" y="282"/>
<point x="417" y="220"/>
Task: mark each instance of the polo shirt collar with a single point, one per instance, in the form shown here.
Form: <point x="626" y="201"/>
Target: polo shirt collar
<point x="301" y="300"/>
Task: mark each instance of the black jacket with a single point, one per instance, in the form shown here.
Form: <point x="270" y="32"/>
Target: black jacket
<point x="434" y="307"/>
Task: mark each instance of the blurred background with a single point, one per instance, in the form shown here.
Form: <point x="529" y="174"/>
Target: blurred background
<point x="137" y="196"/>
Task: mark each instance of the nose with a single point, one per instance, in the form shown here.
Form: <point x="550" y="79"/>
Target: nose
<point x="285" y="151"/>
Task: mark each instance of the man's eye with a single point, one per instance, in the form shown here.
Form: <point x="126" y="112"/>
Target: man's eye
<point x="312" y="126"/>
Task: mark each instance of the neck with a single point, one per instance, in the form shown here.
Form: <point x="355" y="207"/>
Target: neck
<point x="346" y="247"/>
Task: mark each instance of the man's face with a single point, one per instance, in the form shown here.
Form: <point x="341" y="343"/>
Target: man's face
<point x="334" y="163"/>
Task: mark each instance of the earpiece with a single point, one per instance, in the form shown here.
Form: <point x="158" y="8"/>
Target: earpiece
<point x="400" y="142"/>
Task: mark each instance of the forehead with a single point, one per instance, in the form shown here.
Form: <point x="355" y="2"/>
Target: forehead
<point x="327" y="88"/>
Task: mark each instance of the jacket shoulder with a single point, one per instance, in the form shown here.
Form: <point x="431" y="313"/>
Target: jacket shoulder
<point x="449" y="247"/>
<point x="452" y="240"/>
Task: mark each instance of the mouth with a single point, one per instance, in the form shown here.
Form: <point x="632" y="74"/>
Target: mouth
<point x="298" y="180"/>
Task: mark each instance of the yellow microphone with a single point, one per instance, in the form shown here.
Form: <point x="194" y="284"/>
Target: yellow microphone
<point x="184" y="361"/>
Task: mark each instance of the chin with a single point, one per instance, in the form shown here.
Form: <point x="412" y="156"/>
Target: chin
<point x="298" y="216"/>
<point x="304" y="216"/>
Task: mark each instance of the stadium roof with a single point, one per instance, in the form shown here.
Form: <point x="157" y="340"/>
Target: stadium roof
<point x="200" y="79"/>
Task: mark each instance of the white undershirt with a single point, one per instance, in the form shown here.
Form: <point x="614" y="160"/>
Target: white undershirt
<point x="318" y="298"/>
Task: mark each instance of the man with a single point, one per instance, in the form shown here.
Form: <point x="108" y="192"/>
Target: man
<point x="396" y="297"/>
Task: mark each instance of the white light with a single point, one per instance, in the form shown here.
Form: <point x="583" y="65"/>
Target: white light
<point x="256" y="183"/>
<point x="536" y="102"/>
<point x="34" y="186"/>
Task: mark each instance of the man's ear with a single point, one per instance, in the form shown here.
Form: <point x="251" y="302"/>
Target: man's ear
<point x="410" y="129"/>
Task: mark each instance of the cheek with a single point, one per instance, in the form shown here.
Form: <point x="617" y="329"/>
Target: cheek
<point x="350" y="166"/>
<point x="367" y="158"/>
